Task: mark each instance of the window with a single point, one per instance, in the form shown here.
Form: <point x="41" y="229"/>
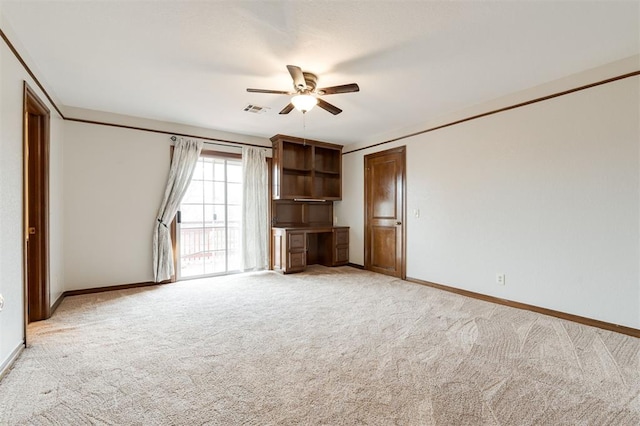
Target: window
<point x="210" y="218"/>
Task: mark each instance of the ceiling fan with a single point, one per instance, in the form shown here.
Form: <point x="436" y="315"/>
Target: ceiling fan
<point x="306" y="94"/>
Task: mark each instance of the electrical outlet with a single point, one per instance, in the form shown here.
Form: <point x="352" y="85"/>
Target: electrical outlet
<point x="500" y="279"/>
<point x="1" y="302"/>
<point x="416" y="213"/>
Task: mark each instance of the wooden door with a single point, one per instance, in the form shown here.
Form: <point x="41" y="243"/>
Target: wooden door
<point x="384" y="206"/>
<point x="36" y="207"/>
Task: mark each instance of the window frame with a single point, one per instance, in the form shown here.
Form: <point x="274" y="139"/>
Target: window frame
<point x="174" y="224"/>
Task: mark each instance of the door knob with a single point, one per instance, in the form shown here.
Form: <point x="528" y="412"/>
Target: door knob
<point x="32" y="230"/>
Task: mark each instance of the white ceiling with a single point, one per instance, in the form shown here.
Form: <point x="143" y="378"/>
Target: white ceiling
<point x="190" y="62"/>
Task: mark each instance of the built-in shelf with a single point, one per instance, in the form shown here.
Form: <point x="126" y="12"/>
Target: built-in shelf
<point x="307" y="178"/>
<point x="296" y="170"/>
<point x="306" y="169"/>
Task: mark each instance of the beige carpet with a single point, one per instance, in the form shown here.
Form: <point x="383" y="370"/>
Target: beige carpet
<point x="334" y="346"/>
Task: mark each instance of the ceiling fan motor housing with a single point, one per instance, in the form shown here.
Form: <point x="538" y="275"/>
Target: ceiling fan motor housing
<point x="311" y="80"/>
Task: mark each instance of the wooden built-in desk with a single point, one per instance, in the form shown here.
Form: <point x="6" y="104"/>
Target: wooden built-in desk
<point x="294" y="247"/>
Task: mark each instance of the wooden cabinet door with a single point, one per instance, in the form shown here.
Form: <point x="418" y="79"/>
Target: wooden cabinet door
<point x="276" y="171"/>
<point x="277" y="250"/>
<point x="384" y="204"/>
<point x="340" y="247"/>
<point x="297" y="261"/>
<point x="296" y="251"/>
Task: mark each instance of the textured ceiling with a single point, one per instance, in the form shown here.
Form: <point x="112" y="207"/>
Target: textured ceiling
<point x="190" y="62"/>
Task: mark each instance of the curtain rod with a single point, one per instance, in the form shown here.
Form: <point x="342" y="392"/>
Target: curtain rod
<point x="230" y="144"/>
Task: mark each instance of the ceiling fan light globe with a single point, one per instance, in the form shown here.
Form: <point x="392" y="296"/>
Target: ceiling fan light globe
<point x="304" y="103"/>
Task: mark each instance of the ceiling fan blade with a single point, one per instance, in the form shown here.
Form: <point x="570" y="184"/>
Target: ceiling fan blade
<point x="298" y="77"/>
<point x="328" y="107"/>
<point x="345" y="88"/>
<point x="287" y="109"/>
<point x="276" y="92"/>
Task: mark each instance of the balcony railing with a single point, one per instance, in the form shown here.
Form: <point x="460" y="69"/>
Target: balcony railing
<point x="204" y="249"/>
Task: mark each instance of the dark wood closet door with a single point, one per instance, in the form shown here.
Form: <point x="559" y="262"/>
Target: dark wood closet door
<point x="384" y="205"/>
<point x="36" y="205"/>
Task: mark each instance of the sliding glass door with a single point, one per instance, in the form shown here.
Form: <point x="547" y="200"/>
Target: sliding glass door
<point x="210" y="218"/>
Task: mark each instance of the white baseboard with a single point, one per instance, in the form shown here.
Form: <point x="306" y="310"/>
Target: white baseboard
<point x="8" y="363"/>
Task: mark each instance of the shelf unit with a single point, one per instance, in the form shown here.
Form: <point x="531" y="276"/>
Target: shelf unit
<point x="307" y="178"/>
<point x="306" y="169"/>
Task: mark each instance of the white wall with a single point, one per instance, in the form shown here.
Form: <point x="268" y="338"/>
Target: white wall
<point x="56" y="208"/>
<point x="12" y="75"/>
<point x="114" y="180"/>
<point x="547" y="194"/>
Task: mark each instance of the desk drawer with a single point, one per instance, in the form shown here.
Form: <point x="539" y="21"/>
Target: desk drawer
<point x="297" y="241"/>
<point x="342" y="256"/>
<point x="342" y="237"/>
<point x="297" y="261"/>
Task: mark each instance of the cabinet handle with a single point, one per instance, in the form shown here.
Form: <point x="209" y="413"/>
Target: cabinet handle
<point x="398" y="223"/>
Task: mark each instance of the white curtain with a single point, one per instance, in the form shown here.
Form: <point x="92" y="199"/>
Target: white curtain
<point x="185" y="157"/>
<point x="255" y="209"/>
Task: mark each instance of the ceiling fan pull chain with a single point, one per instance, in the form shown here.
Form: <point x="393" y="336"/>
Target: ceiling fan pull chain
<point x="304" y="128"/>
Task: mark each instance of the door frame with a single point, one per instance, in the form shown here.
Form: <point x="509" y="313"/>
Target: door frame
<point x="175" y="225"/>
<point x="33" y="105"/>
<point x="403" y="249"/>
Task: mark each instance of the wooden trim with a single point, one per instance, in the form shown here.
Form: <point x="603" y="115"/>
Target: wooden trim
<point x="102" y="290"/>
<point x="507" y="108"/>
<point x="57" y="303"/>
<point x="396" y="150"/>
<point x="233" y="143"/>
<point x="355" y="265"/>
<point x="634" y="332"/>
<point x="25" y="219"/>
<point x="41" y="107"/>
<point x="218" y="154"/>
<point x="28" y="70"/>
<point x="102" y="123"/>
<point x="15" y="354"/>
<point x="404" y="212"/>
<point x="113" y="288"/>
<point x="226" y="142"/>
<point x="33" y="105"/>
<point x="304" y="141"/>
